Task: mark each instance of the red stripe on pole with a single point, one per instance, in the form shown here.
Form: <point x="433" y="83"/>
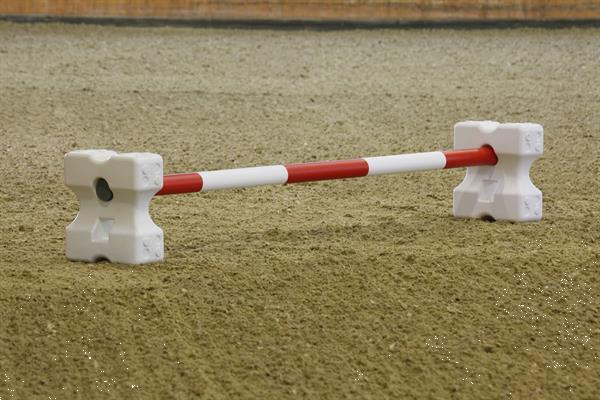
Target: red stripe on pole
<point x="319" y="171"/>
<point x="181" y="183"/>
<point x="470" y="158"/>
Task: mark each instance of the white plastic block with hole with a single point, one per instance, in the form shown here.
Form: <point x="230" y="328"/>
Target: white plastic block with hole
<point x="503" y="191"/>
<point x="121" y="229"/>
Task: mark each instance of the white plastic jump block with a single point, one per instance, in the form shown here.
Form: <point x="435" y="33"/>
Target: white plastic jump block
<point x="503" y="191"/>
<point x="114" y="221"/>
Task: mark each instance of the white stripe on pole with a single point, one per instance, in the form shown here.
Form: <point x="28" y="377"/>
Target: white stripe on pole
<point x="243" y="177"/>
<point x="405" y="163"/>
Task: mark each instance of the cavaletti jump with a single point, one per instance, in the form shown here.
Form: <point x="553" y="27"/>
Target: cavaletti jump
<point x="115" y="190"/>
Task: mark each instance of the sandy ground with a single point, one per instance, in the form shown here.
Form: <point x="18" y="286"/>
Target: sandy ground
<point x="365" y="288"/>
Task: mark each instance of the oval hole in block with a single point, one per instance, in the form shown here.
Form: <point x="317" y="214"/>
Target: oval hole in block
<point x="103" y="191"/>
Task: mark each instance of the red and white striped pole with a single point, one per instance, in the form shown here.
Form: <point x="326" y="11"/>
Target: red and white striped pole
<point x="325" y="170"/>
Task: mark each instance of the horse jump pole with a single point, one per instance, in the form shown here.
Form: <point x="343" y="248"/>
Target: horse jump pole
<point x="325" y="170"/>
<point x="114" y="190"/>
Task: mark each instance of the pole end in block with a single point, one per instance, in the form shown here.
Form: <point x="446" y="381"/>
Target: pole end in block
<point x="503" y="191"/>
<point x="114" y="192"/>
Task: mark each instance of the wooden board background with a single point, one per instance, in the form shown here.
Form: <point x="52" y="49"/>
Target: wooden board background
<point x="311" y="10"/>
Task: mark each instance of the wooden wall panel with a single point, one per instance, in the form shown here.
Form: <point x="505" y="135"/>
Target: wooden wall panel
<point x="316" y="10"/>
